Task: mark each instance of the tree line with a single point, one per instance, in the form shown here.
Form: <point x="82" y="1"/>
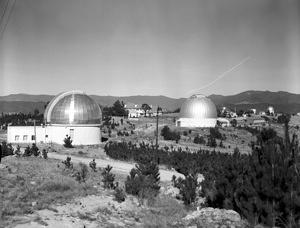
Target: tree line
<point x="264" y="186"/>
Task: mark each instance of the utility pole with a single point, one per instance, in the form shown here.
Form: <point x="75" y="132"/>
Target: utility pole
<point x="156" y="144"/>
<point x="34" y="131"/>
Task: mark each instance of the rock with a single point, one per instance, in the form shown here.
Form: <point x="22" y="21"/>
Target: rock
<point x="213" y="217"/>
<point x="171" y="191"/>
<point x="3" y="166"/>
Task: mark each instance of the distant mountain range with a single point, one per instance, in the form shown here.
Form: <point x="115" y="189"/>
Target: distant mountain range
<point x="281" y="101"/>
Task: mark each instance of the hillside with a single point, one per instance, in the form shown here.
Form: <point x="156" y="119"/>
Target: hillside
<point x="282" y="101"/>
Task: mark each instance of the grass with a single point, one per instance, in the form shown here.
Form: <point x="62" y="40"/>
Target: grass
<point x="166" y="212"/>
<point x="35" y="183"/>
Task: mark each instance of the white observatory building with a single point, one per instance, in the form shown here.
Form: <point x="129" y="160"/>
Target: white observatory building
<point x="70" y="113"/>
<point x="197" y="111"/>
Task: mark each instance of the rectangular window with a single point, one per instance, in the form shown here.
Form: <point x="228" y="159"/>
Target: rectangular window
<point x="24" y="137"/>
<point x="72" y="133"/>
<point x="17" y="137"/>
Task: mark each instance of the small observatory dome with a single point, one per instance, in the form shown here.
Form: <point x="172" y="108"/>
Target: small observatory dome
<point x="198" y="107"/>
<point x="197" y="111"/>
<point x="71" y="108"/>
<point x="271" y="110"/>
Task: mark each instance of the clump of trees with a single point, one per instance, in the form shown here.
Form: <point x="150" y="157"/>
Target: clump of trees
<point x="215" y="133"/>
<point x="21" y="119"/>
<point x="143" y="180"/>
<point x="264" y="186"/>
<point x="33" y="150"/>
<point x="170" y="135"/>
<point x="7" y="149"/>
<point x="118" y="109"/>
<point x="199" y="140"/>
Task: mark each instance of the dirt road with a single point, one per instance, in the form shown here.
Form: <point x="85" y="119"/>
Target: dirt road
<point x="118" y="166"/>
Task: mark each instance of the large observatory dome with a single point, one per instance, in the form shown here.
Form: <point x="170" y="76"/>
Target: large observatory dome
<point x="73" y="108"/>
<point x="198" y="107"/>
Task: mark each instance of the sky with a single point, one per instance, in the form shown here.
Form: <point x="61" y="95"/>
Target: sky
<point x="150" y="47"/>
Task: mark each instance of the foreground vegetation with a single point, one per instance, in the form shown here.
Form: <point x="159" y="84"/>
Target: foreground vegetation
<point x="32" y="183"/>
<point x="264" y="186"/>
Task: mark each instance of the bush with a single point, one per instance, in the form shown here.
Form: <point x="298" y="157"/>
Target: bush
<point x="199" y="140"/>
<point x="7" y="149"/>
<point x="68" y="164"/>
<point x="68" y="142"/>
<point x="45" y="154"/>
<point x="119" y="194"/>
<point x="187" y="188"/>
<point x="35" y="150"/>
<point x="27" y="152"/>
<point x="81" y="174"/>
<point x="211" y="142"/>
<point x="170" y="135"/>
<point x="267" y="134"/>
<point x="108" y="178"/>
<point x="214" y="132"/>
<point x="18" y="151"/>
<point x="92" y="165"/>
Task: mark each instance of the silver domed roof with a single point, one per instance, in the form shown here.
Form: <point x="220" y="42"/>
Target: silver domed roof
<point x="198" y="107"/>
<point x="73" y="107"/>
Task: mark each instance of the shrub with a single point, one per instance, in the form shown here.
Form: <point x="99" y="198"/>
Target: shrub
<point x="170" y="135"/>
<point x="236" y="150"/>
<point x="221" y="144"/>
<point x="215" y="133"/>
<point x="211" y="142"/>
<point x="7" y="149"/>
<point x="108" y="177"/>
<point x="68" y="164"/>
<point x="187" y="188"/>
<point x="68" y="142"/>
<point x="119" y="194"/>
<point x="81" y="174"/>
<point x="35" y="150"/>
<point x="92" y="165"/>
<point x="45" y="154"/>
<point x="267" y="134"/>
<point x="18" y="151"/>
<point x="27" y="152"/>
<point x="199" y="140"/>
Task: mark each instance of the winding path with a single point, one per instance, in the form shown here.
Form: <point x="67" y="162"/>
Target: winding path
<point x="118" y="166"/>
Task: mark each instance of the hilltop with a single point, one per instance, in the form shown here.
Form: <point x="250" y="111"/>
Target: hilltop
<point x="282" y="101"/>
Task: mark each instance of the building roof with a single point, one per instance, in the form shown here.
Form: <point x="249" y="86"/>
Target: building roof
<point x="198" y="107"/>
<point x="72" y="107"/>
<point x="132" y="106"/>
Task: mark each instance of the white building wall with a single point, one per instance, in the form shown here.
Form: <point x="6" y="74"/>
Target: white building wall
<point x="81" y="135"/>
<point x="192" y="122"/>
<point x="25" y="134"/>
